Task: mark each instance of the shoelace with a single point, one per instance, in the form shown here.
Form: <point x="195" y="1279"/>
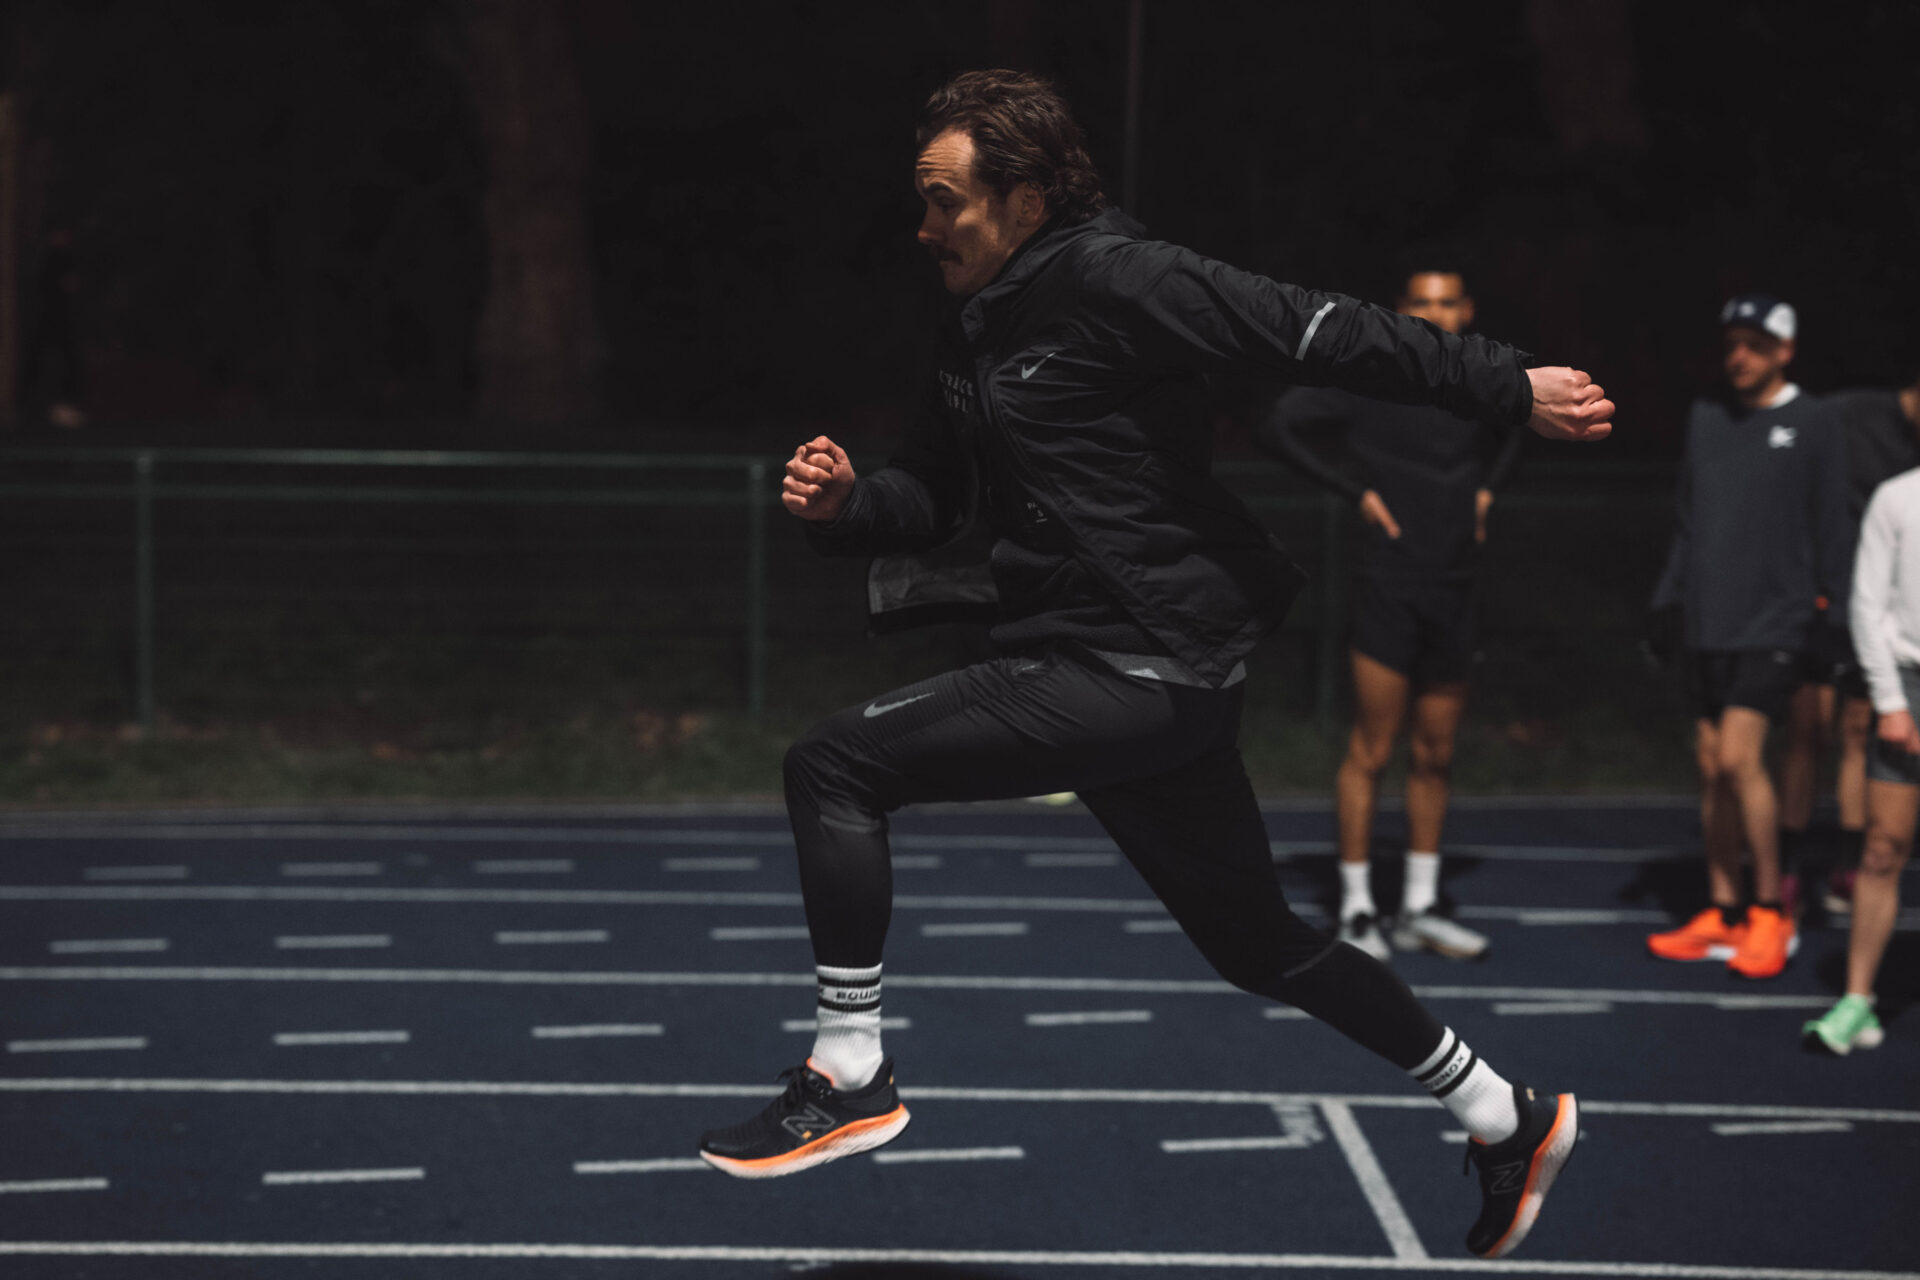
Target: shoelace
<point x="801" y="1083"/>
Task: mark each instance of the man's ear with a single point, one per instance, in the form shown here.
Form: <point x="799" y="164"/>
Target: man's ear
<point x="1466" y="311"/>
<point x="1030" y="204"/>
<point x="1786" y="351"/>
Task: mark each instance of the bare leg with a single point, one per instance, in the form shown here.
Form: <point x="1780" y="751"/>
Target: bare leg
<point x="1891" y="811"/>
<point x="1436" y="721"/>
<point x="1850" y="787"/>
<point x="1743" y="741"/>
<point x="1811" y="710"/>
<point x="1719" y="819"/>
<point x="1379" y="704"/>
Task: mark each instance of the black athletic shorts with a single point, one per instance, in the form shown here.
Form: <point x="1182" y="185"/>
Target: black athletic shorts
<point x="1761" y="680"/>
<point x="1423" y="630"/>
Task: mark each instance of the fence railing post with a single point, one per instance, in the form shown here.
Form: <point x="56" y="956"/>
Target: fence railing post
<point x="756" y="589"/>
<point x="143" y="587"/>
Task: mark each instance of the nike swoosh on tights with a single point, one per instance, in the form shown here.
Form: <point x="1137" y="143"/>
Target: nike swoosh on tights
<point x="880" y="709"/>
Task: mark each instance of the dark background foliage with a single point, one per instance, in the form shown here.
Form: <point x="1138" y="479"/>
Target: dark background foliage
<point x="283" y="230"/>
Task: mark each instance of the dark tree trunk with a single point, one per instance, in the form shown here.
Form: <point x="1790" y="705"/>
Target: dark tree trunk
<point x="539" y="343"/>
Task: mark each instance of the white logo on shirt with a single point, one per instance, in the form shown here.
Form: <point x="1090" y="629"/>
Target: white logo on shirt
<point x="1781" y="437"/>
<point x="1028" y="370"/>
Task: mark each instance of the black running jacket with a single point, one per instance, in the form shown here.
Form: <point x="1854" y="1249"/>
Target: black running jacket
<point x="1069" y="398"/>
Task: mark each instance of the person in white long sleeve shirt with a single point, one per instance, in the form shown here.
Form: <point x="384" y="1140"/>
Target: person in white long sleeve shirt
<point x="1885" y="615"/>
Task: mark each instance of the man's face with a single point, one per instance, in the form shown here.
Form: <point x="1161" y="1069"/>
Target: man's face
<point x="1753" y="358"/>
<point x="1439" y="297"/>
<point x="969" y="230"/>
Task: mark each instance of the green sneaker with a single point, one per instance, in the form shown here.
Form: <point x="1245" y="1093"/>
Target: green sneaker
<point x="1848" y="1025"/>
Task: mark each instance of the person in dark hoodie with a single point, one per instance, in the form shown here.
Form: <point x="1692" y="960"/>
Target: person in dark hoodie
<point x="1066" y="425"/>
<point x="1422" y="481"/>
<point x="1762" y="534"/>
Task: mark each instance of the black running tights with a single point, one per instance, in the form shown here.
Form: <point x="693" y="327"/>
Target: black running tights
<point x="1157" y="765"/>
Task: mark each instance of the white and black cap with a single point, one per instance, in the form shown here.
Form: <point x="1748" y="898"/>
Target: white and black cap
<point x="1760" y="311"/>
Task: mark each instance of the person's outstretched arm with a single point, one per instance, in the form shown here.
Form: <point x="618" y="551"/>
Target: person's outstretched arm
<point x="1184" y="311"/>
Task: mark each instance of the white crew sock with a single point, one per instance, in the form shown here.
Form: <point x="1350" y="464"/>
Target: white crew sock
<point x="1476" y="1094"/>
<point x="1356" y="893"/>
<point x="846" y="1048"/>
<point x="1423" y="882"/>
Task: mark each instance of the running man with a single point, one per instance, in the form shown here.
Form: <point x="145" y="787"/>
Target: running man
<point x="1762" y="533"/>
<point x="1422" y="480"/>
<point x="1886" y="633"/>
<point x="1068" y="412"/>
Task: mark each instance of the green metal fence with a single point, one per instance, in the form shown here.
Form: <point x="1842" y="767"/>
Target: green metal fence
<point x="146" y="478"/>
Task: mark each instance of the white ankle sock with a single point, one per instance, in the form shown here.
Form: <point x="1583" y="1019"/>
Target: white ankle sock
<point x="1476" y="1094"/>
<point x="1423" y="882"/>
<point x="846" y="1048"/>
<point x="1356" y="893"/>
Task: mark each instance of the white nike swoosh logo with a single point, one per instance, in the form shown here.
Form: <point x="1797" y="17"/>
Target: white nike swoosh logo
<point x="880" y="708"/>
<point x="1027" y="370"/>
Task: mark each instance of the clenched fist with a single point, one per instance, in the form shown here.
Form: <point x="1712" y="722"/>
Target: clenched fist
<point x="819" y="478"/>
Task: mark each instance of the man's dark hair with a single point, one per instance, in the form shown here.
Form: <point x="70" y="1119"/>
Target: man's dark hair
<point x="1022" y="131"/>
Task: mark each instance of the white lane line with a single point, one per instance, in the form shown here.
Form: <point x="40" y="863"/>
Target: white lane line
<point x="1072" y="859"/>
<point x="1557" y="916"/>
<point x="591" y="1030"/>
<point x="53" y="1184"/>
<point x="956" y="1153"/>
<point x="549" y="937"/>
<point x="710" y="864"/>
<point x="1785" y="1126"/>
<point x="805" y="1257"/>
<point x="554" y="897"/>
<point x="330" y="868"/>
<point x="1270" y="1142"/>
<point x="801" y="1256"/>
<point x="642" y="1166"/>
<point x="916" y="862"/>
<point x="764" y="933"/>
<point x="1100" y="1097"/>
<point x="332" y="941"/>
<point x="523" y="866"/>
<point x="1552" y="1006"/>
<point x="90" y="1045"/>
<point x="136" y="873"/>
<point x="1008" y="929"/>
<point x="813" y="1024"/>
<point x="311" y="1177"/>
<point x="929" y="982"/>
<point x="1090" y="1018"/>
<point x="302" y="1038"/>
<point x="105" y="946"/>
<point x="1285" y="1012"/>
<point x="1401" y="1236"/>
<point x="1153" y="926"/>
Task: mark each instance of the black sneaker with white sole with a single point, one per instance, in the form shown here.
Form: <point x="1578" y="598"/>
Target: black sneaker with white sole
<point x="1516" y="1173"/>
<point x="809" y="1124"/>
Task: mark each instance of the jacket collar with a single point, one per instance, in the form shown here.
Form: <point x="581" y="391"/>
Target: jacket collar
<point x="1033" y="257"/>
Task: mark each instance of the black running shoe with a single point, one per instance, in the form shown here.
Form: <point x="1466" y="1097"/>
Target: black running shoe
<point x="1515" y="1174"/>
<point x="811" y="1123"/>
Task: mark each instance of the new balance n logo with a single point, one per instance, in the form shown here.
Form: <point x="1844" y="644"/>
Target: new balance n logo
<point x="1507" y="1179"/>
<point x="807" y="1123"/>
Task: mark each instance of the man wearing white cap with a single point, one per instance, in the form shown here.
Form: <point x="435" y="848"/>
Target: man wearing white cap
<point x="1762" y="533"/>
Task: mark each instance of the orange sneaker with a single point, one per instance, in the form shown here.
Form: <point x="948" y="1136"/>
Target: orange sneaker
<point x="1770" y="940"/>
<point x="1705" y="937"/>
